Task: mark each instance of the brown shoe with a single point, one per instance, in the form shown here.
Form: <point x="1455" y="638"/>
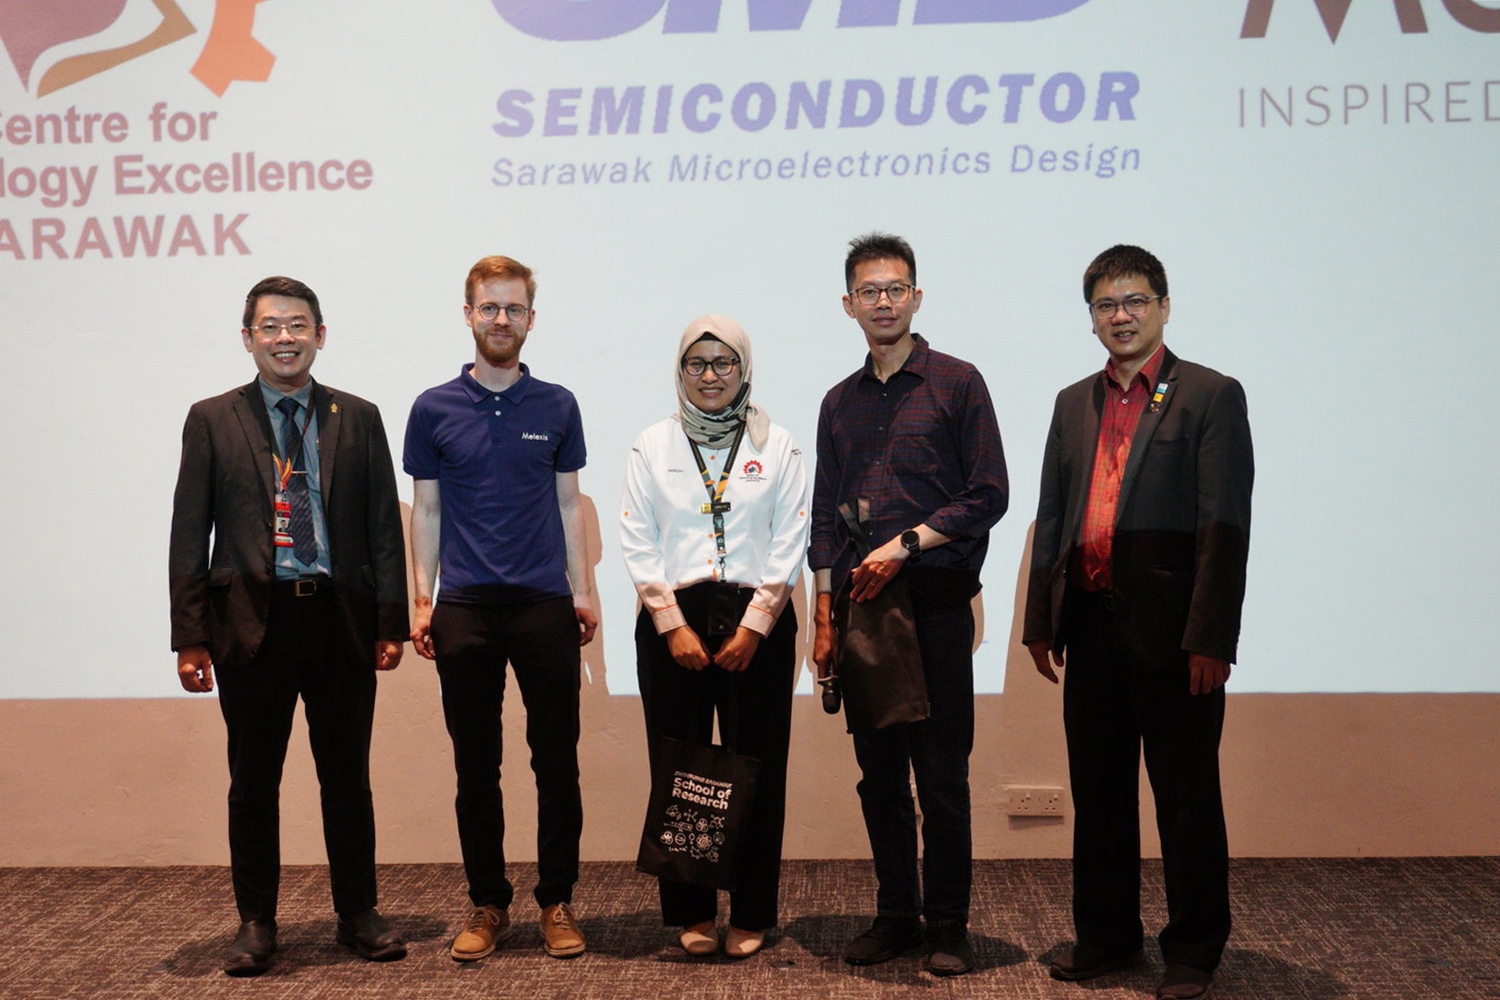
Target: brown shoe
<point x="486" y="927"/>
<point x="561" y="937"/>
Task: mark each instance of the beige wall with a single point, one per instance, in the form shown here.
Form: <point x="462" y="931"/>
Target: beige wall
<point x="142" y="782"/>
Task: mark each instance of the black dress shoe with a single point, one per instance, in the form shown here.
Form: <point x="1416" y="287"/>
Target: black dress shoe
<point x="948" y="950"/>
<point x="250" y="953"/>
<point x="1084" y="961"/>
<point x="886" y="938"/>
<point x="1183" y="982"/>
<point x="368" y="933"/>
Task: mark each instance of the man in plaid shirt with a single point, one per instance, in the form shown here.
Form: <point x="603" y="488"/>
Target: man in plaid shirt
<point x="912" y="431"/>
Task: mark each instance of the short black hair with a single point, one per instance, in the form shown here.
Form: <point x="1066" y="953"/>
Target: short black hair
<point x="878" y="246"/>
<point x="289" y="288"/>
<point x="1121" y="260"/>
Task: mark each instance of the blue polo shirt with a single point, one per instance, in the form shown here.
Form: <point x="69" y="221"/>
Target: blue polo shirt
<point x="496" y="456"/>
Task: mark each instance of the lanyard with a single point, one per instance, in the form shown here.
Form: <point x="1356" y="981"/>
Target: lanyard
<point x="717" y="505"/>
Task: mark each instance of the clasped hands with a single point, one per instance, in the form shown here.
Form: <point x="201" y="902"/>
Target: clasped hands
<point x="735" y="655"/>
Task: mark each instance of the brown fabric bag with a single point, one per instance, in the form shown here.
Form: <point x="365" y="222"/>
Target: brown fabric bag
<point x="879" y="665"/>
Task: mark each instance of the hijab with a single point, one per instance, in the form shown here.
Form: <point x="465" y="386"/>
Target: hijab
<point x="715" y="430"/>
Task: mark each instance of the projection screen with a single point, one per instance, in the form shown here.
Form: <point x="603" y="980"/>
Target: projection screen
<point x="1319" y="177"/>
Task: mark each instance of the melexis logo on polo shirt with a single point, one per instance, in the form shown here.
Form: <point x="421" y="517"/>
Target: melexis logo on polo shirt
<point x="534" y="436"/>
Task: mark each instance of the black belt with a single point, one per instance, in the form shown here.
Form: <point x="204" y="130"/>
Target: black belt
<point x="1101" y="599"/>
<point x="305" y="587"/>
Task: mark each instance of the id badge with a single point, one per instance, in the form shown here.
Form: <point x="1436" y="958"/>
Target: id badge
<point x="283" y="522"/>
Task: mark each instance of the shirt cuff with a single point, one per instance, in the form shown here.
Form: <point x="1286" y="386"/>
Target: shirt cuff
<point x="758" y="620"/>
<point x="667" y="619"/>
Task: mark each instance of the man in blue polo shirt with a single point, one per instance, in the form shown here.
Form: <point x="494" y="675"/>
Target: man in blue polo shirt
<point x="496" y="516"/>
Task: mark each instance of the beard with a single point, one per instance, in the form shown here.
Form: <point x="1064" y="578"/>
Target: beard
<point x="499" y="353"/>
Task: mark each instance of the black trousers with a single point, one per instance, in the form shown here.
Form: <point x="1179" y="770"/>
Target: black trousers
<point x="258" y="701"/>
<point x="936" y="753"/>
<point x="540" y="641"/>
<point x="1116" y="702"/>
<point x="754" y="708"/>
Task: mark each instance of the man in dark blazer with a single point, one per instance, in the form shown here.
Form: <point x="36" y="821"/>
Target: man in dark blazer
<point x="1137" y="577"/>
<point x="304" y="594"/>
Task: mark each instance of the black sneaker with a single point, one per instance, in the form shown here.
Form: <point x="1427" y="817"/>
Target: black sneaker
<point x="948" y="950"/>
<point x="886" y="938"/>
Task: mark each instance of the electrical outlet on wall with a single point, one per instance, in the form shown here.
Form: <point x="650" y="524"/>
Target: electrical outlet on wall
<point x="1033" y="800"/>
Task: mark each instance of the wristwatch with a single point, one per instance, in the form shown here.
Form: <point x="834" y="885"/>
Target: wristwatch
<point x="912" y="542"/>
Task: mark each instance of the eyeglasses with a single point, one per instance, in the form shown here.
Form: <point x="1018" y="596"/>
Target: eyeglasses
<point x="271" y="328"/>
<point x="870" y="294"/>
<point x="515" y="312"/>
<point x="721" y="366"/>
<point x="1134" y="305"/>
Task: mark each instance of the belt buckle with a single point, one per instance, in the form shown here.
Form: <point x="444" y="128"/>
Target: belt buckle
<point x="304" y="588"/>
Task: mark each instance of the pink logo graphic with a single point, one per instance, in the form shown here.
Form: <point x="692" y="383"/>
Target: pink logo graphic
<point x="752" y="468"/>
<point x="29" y="29"/>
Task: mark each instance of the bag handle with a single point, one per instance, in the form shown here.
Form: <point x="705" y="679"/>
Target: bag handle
<point x="857" y="525"/>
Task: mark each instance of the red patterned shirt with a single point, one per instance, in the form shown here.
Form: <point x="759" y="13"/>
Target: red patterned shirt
<point x="1117" y="424"/>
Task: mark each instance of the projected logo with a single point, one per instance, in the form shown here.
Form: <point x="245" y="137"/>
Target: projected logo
<point x="129" y="29"/>
<point x="1410" y="15"/>
<point x="592" y="20"/>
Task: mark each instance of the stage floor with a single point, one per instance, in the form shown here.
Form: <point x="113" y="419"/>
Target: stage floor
<point x="1393" y="928"/>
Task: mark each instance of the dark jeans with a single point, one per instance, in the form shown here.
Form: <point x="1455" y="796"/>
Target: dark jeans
<point x="540" y="641"/>
<point x="936" y="751"/>
<point x="1114" y="703"/>
<point x="755" y="718"/>
<point x="258" y="701"/>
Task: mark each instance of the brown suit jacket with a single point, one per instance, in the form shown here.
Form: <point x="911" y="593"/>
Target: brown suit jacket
<point x="225" y="488"/>
<point x="1182" y="531"/>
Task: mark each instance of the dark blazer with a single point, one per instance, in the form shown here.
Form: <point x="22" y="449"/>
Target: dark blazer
<point x="225" y="487"/>
<point x="1183" y="523"/>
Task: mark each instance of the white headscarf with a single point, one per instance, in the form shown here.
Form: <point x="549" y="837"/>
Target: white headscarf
<point x="715" y="430"/>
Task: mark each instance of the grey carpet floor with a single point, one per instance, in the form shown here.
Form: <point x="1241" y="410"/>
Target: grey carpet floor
<point x="1389" y="928"/>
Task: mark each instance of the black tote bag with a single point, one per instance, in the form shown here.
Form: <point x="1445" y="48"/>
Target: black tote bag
<point x="701" y="797"/>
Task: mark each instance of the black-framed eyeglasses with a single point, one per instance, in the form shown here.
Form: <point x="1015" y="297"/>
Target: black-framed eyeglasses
<point x="270" y="328"/>
<point x="515" y="312"/>
<point x="721" y="366"/>
<point x="1134" y="305"/>
<point x="868" y="295"/>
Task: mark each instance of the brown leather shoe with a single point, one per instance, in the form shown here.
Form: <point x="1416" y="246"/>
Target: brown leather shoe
<point x="561" y="937"/>
<point x="486" y="927"/>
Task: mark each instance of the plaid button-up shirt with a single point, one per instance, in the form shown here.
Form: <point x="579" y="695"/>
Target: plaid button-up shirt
<point x="923" y="447"/>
